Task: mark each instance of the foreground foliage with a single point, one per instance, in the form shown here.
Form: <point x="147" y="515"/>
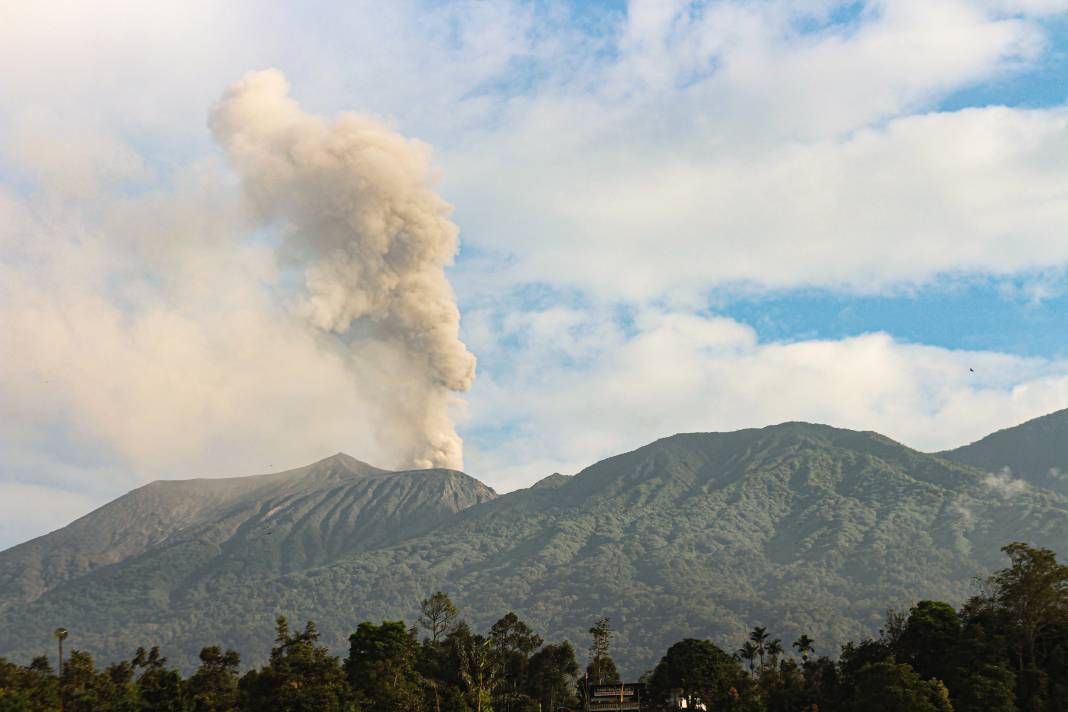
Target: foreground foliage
<point x="1005" y="650"/>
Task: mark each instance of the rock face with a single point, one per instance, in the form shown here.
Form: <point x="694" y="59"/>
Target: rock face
<point x="804" y="528"/>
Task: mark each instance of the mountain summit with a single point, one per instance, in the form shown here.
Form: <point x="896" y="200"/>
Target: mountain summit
<point x="811" y="528"/>
<point x="242" y="527"/>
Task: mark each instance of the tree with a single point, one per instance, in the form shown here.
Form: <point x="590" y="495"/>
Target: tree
<point x="823" y="683"/>
<point x="698" y="671"/>
<point x="381" y="667"/>
<point x="13" y="696"/>
<point x="551" y="676"/>
<point x="77" y="681"/>
<point x="513" y="643"/>
<point x="930" y="639"/>
<point x="86" y="690"/>
<point x="437" y="616"/>
<point x="856" y="656"/>
<point x="990" y="688"/>
<point x="213" y="687"/>
<point x="1032" y="593"/>
<point x="892" y="687"/>
<point x="748" y="654"/>
<point x="28" y="689"/>
<point x="160" y="689"/>
<point x="1027" y="604"/>
<point x="759" y="638"/>
<point x="601" y="669"/>
<point x="299" y="677"/>
<point x="804" y="647"/>
<point x="477" y="669"/>
<point x="774" y="649"/>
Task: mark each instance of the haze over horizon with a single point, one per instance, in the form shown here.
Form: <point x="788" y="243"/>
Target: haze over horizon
<point x="673" y="217"/>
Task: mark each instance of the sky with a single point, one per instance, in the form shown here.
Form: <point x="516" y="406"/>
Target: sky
<point x="673" y="216"/>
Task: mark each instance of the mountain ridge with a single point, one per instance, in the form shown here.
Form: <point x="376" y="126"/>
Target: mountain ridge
<point x="1035" y="451"/>
<point x="815" y="528"/>
<point x="218" y="508"/>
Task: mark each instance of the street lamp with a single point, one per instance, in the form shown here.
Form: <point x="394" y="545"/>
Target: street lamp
<point x="61" y="635"/>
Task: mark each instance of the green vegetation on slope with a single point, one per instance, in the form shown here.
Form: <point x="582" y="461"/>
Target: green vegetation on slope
<point x="813" y="528"/>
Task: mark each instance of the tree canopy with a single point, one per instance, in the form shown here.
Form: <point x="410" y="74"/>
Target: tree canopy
<point x="1004" y="650"/>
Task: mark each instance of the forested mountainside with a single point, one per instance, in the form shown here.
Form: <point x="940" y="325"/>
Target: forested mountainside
<point x="706" y="534"/>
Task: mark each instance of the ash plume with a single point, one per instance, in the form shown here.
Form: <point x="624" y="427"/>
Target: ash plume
<point x="355" y="203"/>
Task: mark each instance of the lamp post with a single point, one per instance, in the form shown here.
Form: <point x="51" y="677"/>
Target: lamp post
<point x="61" y="635"/>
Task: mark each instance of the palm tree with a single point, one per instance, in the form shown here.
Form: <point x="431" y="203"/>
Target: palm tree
<point x="477" y="669"/>
<point x="774" y="650"/>
<point x="803" y="646"/>
<point x="759" y="637"/>
<point x="748" y="653"/>
<point x="61" y="635"/>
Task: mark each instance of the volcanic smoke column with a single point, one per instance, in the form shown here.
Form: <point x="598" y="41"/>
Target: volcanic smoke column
<point x="356" y="207"/>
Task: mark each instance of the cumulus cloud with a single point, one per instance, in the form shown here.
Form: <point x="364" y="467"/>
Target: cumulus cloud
<point x="873" y="210"/>
<point x="579" y="390"/>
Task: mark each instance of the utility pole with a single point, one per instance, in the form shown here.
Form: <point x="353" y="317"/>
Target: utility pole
<point x="61" y="635"/>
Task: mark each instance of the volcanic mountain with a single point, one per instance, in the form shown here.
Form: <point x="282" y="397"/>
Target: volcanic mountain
<point x="238" y="528"/>
<point x="803" y="528"/>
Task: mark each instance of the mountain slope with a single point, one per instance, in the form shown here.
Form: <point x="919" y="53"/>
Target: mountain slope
<point x="802" y="527"/>
<point x="1036" y="451"/>
<point x="805" y="528"/>
<point x="242" y="526"/>
<point x="143" y="518"/>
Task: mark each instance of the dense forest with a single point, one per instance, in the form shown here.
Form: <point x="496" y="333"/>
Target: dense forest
<point x="1004" y="650"/>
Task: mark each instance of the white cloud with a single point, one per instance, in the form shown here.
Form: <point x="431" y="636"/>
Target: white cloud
<point x="731" y="143"/>
<point x="677" y="372"/>
<point x="974" y="191"/>
<point x="1005" y="485"/>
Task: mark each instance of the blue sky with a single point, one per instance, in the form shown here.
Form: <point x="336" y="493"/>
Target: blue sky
<point x="672" y="215"/>
<point x="977" y="315"/>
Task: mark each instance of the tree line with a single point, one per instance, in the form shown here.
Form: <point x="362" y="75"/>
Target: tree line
<point x="1004" y="650"/>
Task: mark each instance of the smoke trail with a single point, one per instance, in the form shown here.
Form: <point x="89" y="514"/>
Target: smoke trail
<point x="358" y="213"/>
